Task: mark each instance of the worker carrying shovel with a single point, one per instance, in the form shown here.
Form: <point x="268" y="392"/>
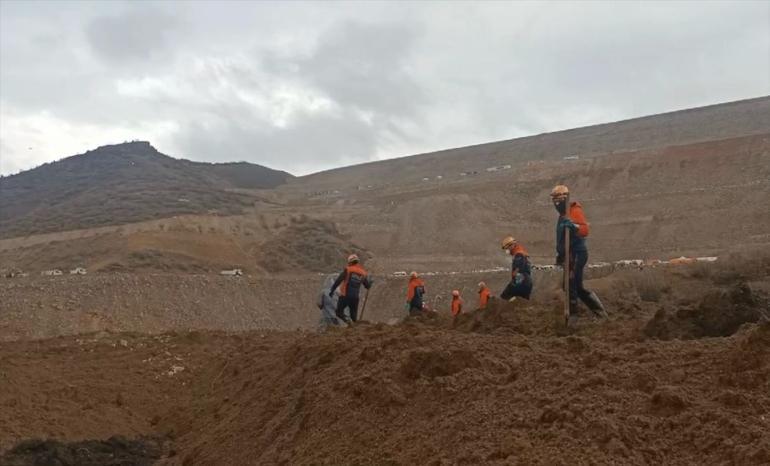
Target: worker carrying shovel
<point x="572" y="224"/>
<point x="521" y="270"/>
<point x="350" y="281"/>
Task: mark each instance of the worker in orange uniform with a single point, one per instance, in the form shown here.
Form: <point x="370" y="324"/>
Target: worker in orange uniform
<point x="457" y="304"/>
<point x="414" y="294"/>
<point x="572" y="217"/>
<point x="521" y="270"/>
<point x="350" y="281"/>
<point x="483" y="295"/>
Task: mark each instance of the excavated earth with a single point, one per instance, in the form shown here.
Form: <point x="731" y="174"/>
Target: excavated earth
<point x="679" y="374"/>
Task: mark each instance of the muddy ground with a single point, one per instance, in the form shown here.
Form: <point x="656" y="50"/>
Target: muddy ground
<point x="679" y="374"/>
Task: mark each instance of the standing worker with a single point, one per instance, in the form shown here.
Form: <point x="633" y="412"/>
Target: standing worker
<point x="483" y="295"/>
<point x="571" y="217"/>
<point x="414" y="294"/>
<point x="350" y="281"/>
<point x="521" y="270"/>
<point x="457" y="304"/>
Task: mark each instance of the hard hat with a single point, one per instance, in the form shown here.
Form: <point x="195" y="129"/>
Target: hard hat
<point x="559" y="192"/>
<point x="413" y="275"/>
<point x="507" y="242"/>
<point x="455" y="293"/>
<point x="482" y="285"/>
<point x="352" y="259"/>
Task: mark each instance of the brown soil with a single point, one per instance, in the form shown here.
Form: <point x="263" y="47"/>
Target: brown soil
<point x="719" y="314"/>
<point x="502" y="386"/>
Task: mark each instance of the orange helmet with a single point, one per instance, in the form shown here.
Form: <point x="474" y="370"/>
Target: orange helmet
<point x="456" y="293"/>
<point x="353" y="259"/>
<point x="507" y="242"/>
<point x="559" y="192"/>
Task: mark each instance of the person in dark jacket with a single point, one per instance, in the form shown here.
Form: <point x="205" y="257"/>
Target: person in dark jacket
<point x="327" y="305"/>
<point x="350" y="281"/>
<point x="414" y="294"/>
<point x="572" y="218"/>
<point x="521" y="271"/>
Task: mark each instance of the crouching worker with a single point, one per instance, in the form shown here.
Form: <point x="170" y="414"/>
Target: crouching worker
<point x="483" y="295"/>
<point x="327" y="305"/>
<point x="414" y="295"/>
<point x="457" y="304"/>
<point x="521" y="271"/>
<point x="350" y="281"/>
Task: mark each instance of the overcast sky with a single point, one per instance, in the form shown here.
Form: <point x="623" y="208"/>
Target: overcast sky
<point x="309" y="86"/>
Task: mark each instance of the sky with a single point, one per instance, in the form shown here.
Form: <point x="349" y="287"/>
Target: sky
<point x="308" y="86"/>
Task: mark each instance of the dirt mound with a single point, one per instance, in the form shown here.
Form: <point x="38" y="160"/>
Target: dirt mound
<point x="719" y="314"/>
<point x="405" y="394"/>
<point x="115" y="451"/>
<point x="411" y="394"/>
<point x="499" y="316"/>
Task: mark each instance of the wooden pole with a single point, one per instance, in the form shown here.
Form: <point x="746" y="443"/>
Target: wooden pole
<point x="363" y="306"/>
<point x="567" y="261"/>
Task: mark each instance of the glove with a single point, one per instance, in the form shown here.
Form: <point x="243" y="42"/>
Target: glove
<point x="567" y="223"/>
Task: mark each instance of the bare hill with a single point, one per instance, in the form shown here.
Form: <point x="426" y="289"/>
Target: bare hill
<point x="684" y="183"/>
<point x="714" y="122"/>
<point x="124" y="183"/>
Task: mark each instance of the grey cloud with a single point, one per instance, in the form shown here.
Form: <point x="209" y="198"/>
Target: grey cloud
<point x="366" y="65"/>
<point x="135" y="34"/>
<point x="312" y="141"/>
<point x="402" y="77"/>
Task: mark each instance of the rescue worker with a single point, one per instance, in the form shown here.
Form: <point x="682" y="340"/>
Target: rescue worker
<point x="350" y="280"/>
<point x="457" y="304"/>
<point x="521" y="271"/>
<point x="483" y="295"/>
<point x="414" y="294"/>
<point x="572" y="217"/>
<point x="327" y="305"/>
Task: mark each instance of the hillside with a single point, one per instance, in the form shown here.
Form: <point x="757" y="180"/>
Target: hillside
<point x="710" y="123"/>
<point x="658" y="187"/>
<point x="124" y="183"/>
